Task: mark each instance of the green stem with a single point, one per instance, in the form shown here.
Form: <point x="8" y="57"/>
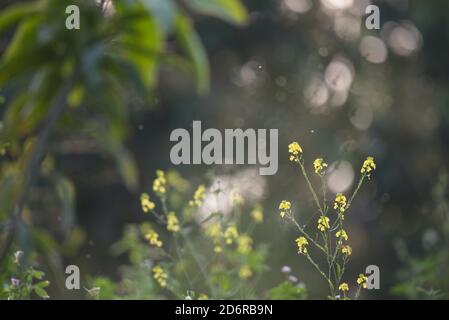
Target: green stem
<point x="356" y="191"/>
<point x="309" y="184"/>
<point x="199" y="264"/>
<point x="306" y="235"/>
<point x="323" y="186"/>
<point x="331" y="286"/>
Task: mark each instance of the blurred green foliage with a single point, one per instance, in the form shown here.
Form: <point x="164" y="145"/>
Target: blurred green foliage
<point x="59" y="82"/>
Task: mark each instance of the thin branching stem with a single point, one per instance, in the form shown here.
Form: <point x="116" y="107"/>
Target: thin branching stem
<point x="355" y="191"/>
<point x="331" y="286"/>
<point x="306" y="235"/>
<point x="312" y="190"/>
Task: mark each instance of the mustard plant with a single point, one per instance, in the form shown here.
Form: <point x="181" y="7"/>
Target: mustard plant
<point x="193" y="256"/>
<point x="328" y="237"/>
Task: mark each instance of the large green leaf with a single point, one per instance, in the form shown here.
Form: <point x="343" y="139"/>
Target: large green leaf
<point x="13" y="14"/>
<point x="163" y="12"/>
<point x="229" y="10"/>
<point x="141" y="44"/>
<point x="191" y="44"/>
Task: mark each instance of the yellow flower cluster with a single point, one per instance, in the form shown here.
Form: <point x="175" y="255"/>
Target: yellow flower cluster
<point x="343" y="287"/>
<point x="215" y="232"/>
<point x="368" y="165"/>
<point x="160" y="275"/>
<point x="245" y="272"/>
<point x="231" y="234"/>
<point x="172" y="222"/>
<point x="319" y="165"/>
<point x="244" y="244"/>
<point x="159" y="183"/>
<point x="153" y="238"/>
<point x="340" y="203"/>
<point x="257" y="214"/>
<point x="145" y="202"/>
<point x="285" y="207"/>
<point x="346" y="250"/>
<point x="198" y="196"/>
<point x="342" y="235"/>
<point x="294" y="149"/>
<point x="361" y="280"/>
<point x="203" y="296"/>
<point x="302" y="245"/>
<point x="323" y="223"/>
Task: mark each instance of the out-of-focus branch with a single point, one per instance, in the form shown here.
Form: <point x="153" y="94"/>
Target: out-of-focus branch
<point x="33" y="165"/>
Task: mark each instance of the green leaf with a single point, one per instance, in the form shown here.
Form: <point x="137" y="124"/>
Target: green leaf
<point x="287" y="291"/>
<point x="41" y="292"/>
<point x="231" y="11"/>
<point x="38" y="274"/>
<point x="42" y="284"/>
<point x="162" y="11"/>
<point x="191" y="44"/>
<point x="338" y="269"/>
<point x="141" y="45"/>
<point x="107" y="288"/>
<point x="13" y="14"/>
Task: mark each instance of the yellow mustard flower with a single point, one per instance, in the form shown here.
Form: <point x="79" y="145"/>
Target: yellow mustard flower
<point x="172" y="222"/>
<point x="319" y="165"/>
<point x="198" y="196"/>
<point x="323" y="223"/>
<point x="361" y="280"/>
<point x="153" y="238"/>
<point x="245" y="272"/>
<point x="257" y="214"/>
<point x="285" y="207"/>
<point x="203" y="296"/>
<point x="214" y="230"/>
<point x="244" y="244"/>
<point x="231" y="234"/>
<point x="342" y="235"/>
<point x="302" y="245"/>
<point x="159" y="183"/>
<point x="346" y="250"/>
<point x="368" y="165"/>
<point x="145" y="203"/>
<point x="160" y="275"/>
<point x="294" y="149"/>
<point x="218" y="248"/>
<point x="340" y="203"/>
<point x="343" y="287"/>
